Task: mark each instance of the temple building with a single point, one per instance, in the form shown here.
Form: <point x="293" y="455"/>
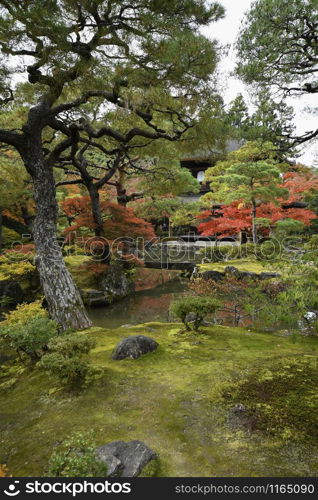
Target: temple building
<point x="199" y="162"/>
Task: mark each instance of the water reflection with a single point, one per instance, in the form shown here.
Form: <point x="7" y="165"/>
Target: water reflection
<point x="141" y="307"/>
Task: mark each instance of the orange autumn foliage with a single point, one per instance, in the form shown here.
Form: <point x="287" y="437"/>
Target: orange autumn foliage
<point x="299" y="184"/>
<point x="119" y="221"/>
<point x="230" y="219"/>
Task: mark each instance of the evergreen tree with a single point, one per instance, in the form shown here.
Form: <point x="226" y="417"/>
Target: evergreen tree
<point x="271" y="121"/>
<point x="278" y="49"/>
<point x="249" y="177"/>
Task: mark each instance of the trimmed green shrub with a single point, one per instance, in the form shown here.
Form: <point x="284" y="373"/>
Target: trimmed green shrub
<point x="247" y="250"/>
<point x="287" y="227"/>
<point x="9" y="236"/>
<point x="30" y="338"/>
<point x="67" y="358"/>
<point x="269" y="250"/>
<point x="76" y="457"/>
<point x="15" y="266"/>
<point x="72" y="344"/>
<point x="199" y="307"/>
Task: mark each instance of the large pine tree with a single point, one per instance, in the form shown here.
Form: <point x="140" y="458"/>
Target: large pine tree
<point x="147" y="58"/>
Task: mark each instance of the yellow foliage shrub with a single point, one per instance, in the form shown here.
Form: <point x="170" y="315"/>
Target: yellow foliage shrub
<point x="9" y="236"/>
<point x="11" y="266"/>
<point x="24" y="313"/>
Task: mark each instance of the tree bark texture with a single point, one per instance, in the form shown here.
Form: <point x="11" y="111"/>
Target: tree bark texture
<point x="96" y="211"/>
<point x="65" y="304"/>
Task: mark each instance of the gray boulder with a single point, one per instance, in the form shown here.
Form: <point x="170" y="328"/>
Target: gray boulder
<point x="249" y="275"/>
<point x="125" y="459"/>
<point x="232" y="270"/>
<point x="213" y="275"/>
<point x="11" y="293"/>
<point x="240" y="274"/>
<point x="116" y="283"/>
<point x="133" y="347"/>
<point x="310" y="316"/>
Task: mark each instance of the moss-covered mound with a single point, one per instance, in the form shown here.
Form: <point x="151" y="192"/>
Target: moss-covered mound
<point x="282" y="397"/>
<point x="250" y="265"/>
<point x="173" y="400"/>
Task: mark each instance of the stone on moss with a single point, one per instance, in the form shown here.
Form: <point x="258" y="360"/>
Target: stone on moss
<point x="267" y="276"/>
<point x="125" y="459"/>
<point x="213" y="275"/>
<point x="240" y="274"/>
<point x="134" y="346"/>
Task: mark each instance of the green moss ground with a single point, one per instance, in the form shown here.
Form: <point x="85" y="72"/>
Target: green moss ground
<point x="176" y="400"/>
<point x="253" y="266"/>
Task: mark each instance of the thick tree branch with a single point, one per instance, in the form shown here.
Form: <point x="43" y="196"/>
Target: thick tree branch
<point x="304" y="138"/>
<point x="66" y="183"/>
<point x="12" y="138"/>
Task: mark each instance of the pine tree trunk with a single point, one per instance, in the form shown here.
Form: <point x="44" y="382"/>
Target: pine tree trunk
<point x="64" y="302"/>
<point x="98" y="222"/>
<point x="121" y="195"/>
<point x="96" y="211"/>
<point x="254" y="228"/>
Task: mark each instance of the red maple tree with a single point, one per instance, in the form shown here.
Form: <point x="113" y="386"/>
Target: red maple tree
<point x="230" y="219"/>
<point x="300" y="183"/>
<point x="119" y="221"/>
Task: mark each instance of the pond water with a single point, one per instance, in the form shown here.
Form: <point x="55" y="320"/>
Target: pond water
<point x="140" y="307"/>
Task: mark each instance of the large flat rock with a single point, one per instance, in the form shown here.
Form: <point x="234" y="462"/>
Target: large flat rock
<point x="125" y="459"/>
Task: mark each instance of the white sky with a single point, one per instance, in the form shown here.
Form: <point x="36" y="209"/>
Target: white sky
<point x="226" y="31"/>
